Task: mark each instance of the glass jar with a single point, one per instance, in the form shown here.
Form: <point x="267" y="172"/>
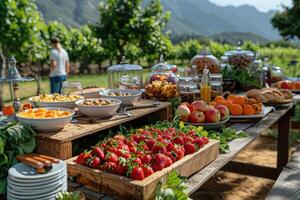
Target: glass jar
<point x="216" y="89"/>
<point x="162" y="83"/>
<point x="240" y="58"/>
<point x="125" y="76"/>
<point x="188" y="89"/>
<point x="205" y="59"/>
<point x="71" y="87"/>
<point x="277" y="74"/>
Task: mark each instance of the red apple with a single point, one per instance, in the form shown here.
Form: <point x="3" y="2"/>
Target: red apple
<point x="196" y="117"/>
<point x="212" y="116"/>
<point x="223" y="111"/>
<point x="183" y="112"/>
<point x="199" y="106"/>
<point x="286" y="85"/>
<point x="210" y="107"/>
<point x="188" y="105"/>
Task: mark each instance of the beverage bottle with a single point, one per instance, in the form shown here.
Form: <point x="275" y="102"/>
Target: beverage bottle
<point x="205" y="87"/>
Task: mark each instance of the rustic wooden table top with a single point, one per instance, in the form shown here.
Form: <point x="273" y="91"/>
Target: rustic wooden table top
<point x="82" y="126"/>
<point x="254" y="129"/>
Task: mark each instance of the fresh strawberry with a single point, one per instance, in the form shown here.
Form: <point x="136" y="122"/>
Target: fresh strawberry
<point x="137" y="161"/>
<point x="180" y="153"/>
<point x="111" y="157"/>
<point x="83" y="157"/>
<point x="137" y="173"/>
<point x="132" y="149"/>
<point x="151" y="143"/>
<point x="98" y="152"/>
<point x="189" y="148"/>
<point x="160" y="160"/>
<point x="168" y="161"/>
<point x="170" y="147"/>
<point x="147" y="171"/>
<point x="179" y="140"/>
<point x="159" y="148"/>
<point x="95" y="163"/>
<point x="146" y="159"/>
<point x="199" y="142"/>
<point x="109" y="167"/>
<point x="119" y="137"/>
<point x="205" y="139"/>
<point x="187" y="139"/>
<point x="122" y="166"/>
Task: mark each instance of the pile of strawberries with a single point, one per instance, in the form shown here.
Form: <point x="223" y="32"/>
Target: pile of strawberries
<point x="142" y="153"/>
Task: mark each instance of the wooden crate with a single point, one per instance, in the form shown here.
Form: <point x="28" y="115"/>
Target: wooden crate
<point x="125" y="188"/>
<point x="59" y="143"/>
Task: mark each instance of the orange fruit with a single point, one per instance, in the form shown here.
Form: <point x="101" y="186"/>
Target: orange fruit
<point x="221" y="102"/>
<point x="230" y="97"/>
<point x="239" y="100"/>
<point x="219" y="98"/>
<point x="228" y="103"/>
<point x="8" y="110"/>
<point x="236" y="109"/>
<point x="248" y="110"/>
<point x="212" y="103"/>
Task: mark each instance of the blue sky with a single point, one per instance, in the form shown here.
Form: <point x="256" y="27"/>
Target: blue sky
<point x="262" y="5"/>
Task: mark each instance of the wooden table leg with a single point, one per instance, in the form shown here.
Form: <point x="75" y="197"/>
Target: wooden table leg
<point x="60" y="150"/>
<point x="284" y="125"/>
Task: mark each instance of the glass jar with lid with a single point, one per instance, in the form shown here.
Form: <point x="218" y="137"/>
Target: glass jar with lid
<point x="276" y="74"/>
<point x="205" y="59"/>
<point x="162" y="83"/>
<point x="240" y="58"/>
<point x="189" y="89"/>
<point x="125" y="76"/>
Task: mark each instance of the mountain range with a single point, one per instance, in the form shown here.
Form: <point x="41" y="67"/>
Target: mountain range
<point x="188" y="17"/>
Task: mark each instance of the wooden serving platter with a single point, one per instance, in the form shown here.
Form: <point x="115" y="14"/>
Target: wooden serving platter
<point x="126" y="188"/>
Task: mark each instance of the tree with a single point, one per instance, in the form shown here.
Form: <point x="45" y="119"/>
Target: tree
<point x="20" y="35"/>
<point x="85" y="48"/>
<point x="124" y="23"/>
<point x="287" y="21"/>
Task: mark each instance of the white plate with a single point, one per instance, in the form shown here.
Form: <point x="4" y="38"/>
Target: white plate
<point x="22" y="171"/>
<point x="210" y="126"/>
<point x="126" y="100"/>
<point x="47" y="124"/>
<point x="20" y="198"/>
<point x="266" y="110"/>
<point x="35" y="191"/>
<point x="31" y="197"/>
<point x="37" y="184"/>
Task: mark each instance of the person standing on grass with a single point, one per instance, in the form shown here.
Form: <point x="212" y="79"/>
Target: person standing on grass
<point x="59" y="65"/>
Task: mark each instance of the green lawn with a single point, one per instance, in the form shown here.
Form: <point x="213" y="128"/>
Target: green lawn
<point x="29" y="89"/>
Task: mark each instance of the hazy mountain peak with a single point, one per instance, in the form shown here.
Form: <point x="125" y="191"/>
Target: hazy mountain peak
<point x="188" y="16"/>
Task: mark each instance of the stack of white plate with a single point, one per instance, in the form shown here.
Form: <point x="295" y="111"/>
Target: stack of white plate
<point x="23" y="183"/>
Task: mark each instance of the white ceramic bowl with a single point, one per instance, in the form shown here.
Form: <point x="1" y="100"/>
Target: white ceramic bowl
<point x="99" y="111"/>
<point x="134" y="96"/>
<point x="58" y="104"/>
<point x="89" y="93"/>
<point x="47" y="125"/>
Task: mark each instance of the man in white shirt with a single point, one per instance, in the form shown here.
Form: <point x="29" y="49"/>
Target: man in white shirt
<point x="59" y="65"/>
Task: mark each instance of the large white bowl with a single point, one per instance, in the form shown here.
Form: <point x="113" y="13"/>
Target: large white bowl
<point x="47" y="125"/>
<point x="58" y="104"/>
<point x="135" y="95"/>
<point x="99" y="111"/>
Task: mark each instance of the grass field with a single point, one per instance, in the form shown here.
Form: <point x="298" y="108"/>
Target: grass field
<point x="29" y="89"/>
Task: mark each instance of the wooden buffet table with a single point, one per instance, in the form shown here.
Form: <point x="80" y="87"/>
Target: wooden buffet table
<point x="281" y="116"/>
<point x="59" y="144"/>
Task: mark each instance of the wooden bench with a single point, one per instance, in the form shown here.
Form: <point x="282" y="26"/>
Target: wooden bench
<point x="287" y="186"/>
